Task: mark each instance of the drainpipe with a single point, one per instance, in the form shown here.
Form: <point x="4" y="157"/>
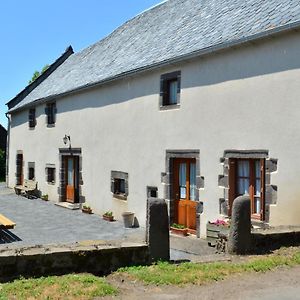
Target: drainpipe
<point x="7" y="149"/>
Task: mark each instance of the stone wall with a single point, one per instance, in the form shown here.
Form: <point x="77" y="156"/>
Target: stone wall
<point x="57" y="260"/>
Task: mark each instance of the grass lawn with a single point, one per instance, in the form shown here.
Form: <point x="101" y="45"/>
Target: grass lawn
<point x="190" y="273"/>
<point x="81" y="286"/>
<point x="86" y="286"/>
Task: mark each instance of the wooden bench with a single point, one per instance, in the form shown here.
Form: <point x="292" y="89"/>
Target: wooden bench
<point x="6" y="223"/>
<point x="28" y="188"/>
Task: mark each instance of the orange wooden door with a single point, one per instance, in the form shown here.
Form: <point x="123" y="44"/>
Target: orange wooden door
<point x="185" y="192"/>
<point x="71" y="178"/>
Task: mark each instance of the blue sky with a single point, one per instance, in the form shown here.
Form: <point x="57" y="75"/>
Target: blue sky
<point x="34" y="33"/>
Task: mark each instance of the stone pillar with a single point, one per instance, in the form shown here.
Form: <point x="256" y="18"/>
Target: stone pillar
<point x="240" y="228"/>
<point x="157" y="229"/>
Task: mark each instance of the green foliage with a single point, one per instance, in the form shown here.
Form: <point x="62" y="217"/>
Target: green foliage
<point x="36" y="74"/>
<point x="178" y="226"/>
<point x="108" y="213"/>
<point x="2" y="165"/>
<point x="164" y="273"/>
<point x="79" y="286"/>
<point x="45" y="197"/>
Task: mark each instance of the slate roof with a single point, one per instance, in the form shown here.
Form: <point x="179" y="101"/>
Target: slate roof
<point x="168" y="31"/>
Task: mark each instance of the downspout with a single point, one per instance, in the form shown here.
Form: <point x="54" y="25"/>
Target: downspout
<point x="7" y="150"/>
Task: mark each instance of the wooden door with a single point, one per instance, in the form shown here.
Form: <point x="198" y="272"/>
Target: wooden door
<point x="185" y="192"/>
<point x="19" y="169"/>
<point x="71" y="178"/>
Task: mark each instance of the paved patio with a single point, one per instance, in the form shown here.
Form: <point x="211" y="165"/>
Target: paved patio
<point x="44" y="223"/>
<point x="40" y="223"/>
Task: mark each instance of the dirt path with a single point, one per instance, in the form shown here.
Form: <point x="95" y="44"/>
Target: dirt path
<point x="283" y="283"/>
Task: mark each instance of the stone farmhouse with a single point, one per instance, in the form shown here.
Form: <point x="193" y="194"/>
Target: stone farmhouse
<point x="193" y="101"/>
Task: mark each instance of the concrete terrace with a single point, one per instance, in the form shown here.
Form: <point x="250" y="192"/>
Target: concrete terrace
<point x="42" y="223"/>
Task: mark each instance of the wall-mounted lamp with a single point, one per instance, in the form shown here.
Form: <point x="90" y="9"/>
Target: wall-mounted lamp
<point x="67" y="139"/>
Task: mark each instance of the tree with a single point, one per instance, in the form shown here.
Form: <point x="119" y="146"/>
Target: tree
<point x="36" y="74"/>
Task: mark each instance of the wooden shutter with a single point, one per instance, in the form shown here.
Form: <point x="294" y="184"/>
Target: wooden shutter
<point x="232" y="183"/>
<point x="31" y="117"/>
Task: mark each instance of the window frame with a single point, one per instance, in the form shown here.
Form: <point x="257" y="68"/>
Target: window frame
<point x="116" y="177"/>
<point x="233" y="182"/>
<point x="53" y="169"/>
<point x="32" y="118"/>
<point x="165" y="82"/>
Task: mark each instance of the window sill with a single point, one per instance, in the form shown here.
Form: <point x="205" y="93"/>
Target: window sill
<point x="169" y="107"/>
<point x="51" y="183"/>
<point x="50" y="125"/>
<point x="31" y="128"/>
<point x="120" y="196"/>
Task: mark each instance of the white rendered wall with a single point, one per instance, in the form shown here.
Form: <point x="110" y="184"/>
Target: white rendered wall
<point x="248" y="98"/>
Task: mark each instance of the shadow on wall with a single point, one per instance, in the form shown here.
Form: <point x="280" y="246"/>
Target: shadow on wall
<point x="250" y="60"/>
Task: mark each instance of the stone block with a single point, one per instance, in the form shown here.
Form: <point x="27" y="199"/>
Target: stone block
<point x="200" y="182"/>
<point x="157" y="229"/>
<point x="271" y="165"/>
<point x="239" y="240"/>
<point x="271" y="194"/>
<point x="223" y="207"/>
<point x="223" y="181"/>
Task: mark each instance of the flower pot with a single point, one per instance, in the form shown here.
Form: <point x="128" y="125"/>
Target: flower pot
<point x="128" y="218"/>
<point x="86" y="210"/>
<point x="108" y="218"/>
<point x="179" y="231"/>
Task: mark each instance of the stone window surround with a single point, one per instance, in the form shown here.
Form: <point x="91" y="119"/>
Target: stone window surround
<point x="150" y="189"/>
<point x="119" y="175"/>
<point x="167" y="179"/>
<point x="61" y="188"/>
<point x="50" y="166"/>
<point x="270" y="167"/>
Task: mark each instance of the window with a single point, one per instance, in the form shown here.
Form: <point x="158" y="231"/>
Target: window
<point x="31" y="118"/>
<point x="247" y="177"/>
<point x="31" y="172"/>
<point x="151" y="192"/>
<point x="170" y="89"/>
<point x="50" y="113"/>
<point x="119" y="184"/>
<point x="119" y="187"/>
<point x="50" y="173"/>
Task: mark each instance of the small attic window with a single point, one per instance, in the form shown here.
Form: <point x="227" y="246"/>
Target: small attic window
<point x="170" y="89"/>
<point x="31" y="118"/>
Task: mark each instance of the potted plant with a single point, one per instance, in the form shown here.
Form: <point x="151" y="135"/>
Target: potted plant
<point x="45" y="197"/>
<point x="179" y="229"/>
<point x="108" y="216"/>
<point x="86" y="209"/>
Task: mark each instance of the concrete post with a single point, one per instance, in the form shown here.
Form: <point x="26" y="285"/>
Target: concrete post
<point x="157" y="229"/>
<point x="240" y="228"/>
